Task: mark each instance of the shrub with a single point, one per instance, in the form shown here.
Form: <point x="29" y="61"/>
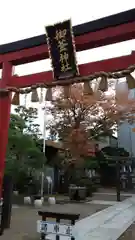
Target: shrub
<point x="86" y="182"/>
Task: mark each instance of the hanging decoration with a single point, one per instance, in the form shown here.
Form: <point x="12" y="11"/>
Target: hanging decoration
<point x="87" y="89"/>
<point x="48" y="96"/>
<point x="103" y="84"/>
<point x="67" y="82"/>
<point x="34" y="96"/>
<point x="121" y="93"/>
<point x="130" y="81"/>
<point x="16" y="99"/>
<point x="41" y="99"/>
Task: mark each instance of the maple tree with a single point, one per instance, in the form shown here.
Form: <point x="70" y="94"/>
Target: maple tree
<point x="79" y="118"/>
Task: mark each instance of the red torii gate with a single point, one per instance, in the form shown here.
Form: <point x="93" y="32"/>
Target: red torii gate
<point x="113" y="29"/>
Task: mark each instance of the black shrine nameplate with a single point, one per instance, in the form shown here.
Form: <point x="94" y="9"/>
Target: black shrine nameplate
<point x="62" y="50"/>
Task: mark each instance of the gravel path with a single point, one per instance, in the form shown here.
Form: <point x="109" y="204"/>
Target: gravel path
<point x="108" y="197"/>
<point x="24" y="219"/>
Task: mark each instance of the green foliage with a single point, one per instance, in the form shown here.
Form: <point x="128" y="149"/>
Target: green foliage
<point x="86" y="182"/>
<point x="23" y="154"/>
<point x="91" y="162"/>
<point x="114" y="151"/>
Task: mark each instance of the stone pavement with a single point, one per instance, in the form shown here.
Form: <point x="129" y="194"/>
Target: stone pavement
<point x="108" y="224"/>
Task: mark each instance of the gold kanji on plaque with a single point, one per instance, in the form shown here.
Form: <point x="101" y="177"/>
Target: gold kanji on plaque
<point x="62" y="50"/>
<point x="65" y="67"/>
<point x="60" y="34"/>
<point x="62" y="45"/>
<point x="64" y="62"/>
<point x="64" y="57"/>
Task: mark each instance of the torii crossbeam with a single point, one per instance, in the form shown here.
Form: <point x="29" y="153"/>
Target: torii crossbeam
<point x="113" y="29"/>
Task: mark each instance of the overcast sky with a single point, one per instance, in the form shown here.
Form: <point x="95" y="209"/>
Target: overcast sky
<point x="20" y="19"/>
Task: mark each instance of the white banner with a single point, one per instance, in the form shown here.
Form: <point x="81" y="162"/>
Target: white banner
<point x="54" y="228"/>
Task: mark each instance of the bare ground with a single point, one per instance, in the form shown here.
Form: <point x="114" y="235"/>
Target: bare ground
<point x="23" y="226"/>
<point x="129" y="234"/>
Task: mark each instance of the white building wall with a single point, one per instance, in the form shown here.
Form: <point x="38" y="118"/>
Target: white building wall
<point x="107" y="141"/>
<point x="125" y="138"/>
<point x="126" y="135"/>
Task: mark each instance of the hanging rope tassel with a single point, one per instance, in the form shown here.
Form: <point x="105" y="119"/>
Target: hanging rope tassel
<point x="103" y="84"/>
<point x="34" y="96"/>
<point x="121" y="93"/>
<point x="66" y="90"/>
<point x="87" y="89"/>
<point x="48" y="96"/>
<point x="41" y="95"/>
<point x="16" y="99"/>
<point x="130" y="81"/>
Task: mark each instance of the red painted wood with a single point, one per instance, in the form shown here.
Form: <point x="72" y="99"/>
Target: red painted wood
<point x="106" y="36"/>
<point x="5" y="103"/>
<point x="107" y="65"/>
<point x="26" y="55"/>
<point x="87" y="41"/>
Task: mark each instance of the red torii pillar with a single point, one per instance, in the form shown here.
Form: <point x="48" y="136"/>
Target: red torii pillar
<point x="5" y="103"/>
<point x="113" y="29"/>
